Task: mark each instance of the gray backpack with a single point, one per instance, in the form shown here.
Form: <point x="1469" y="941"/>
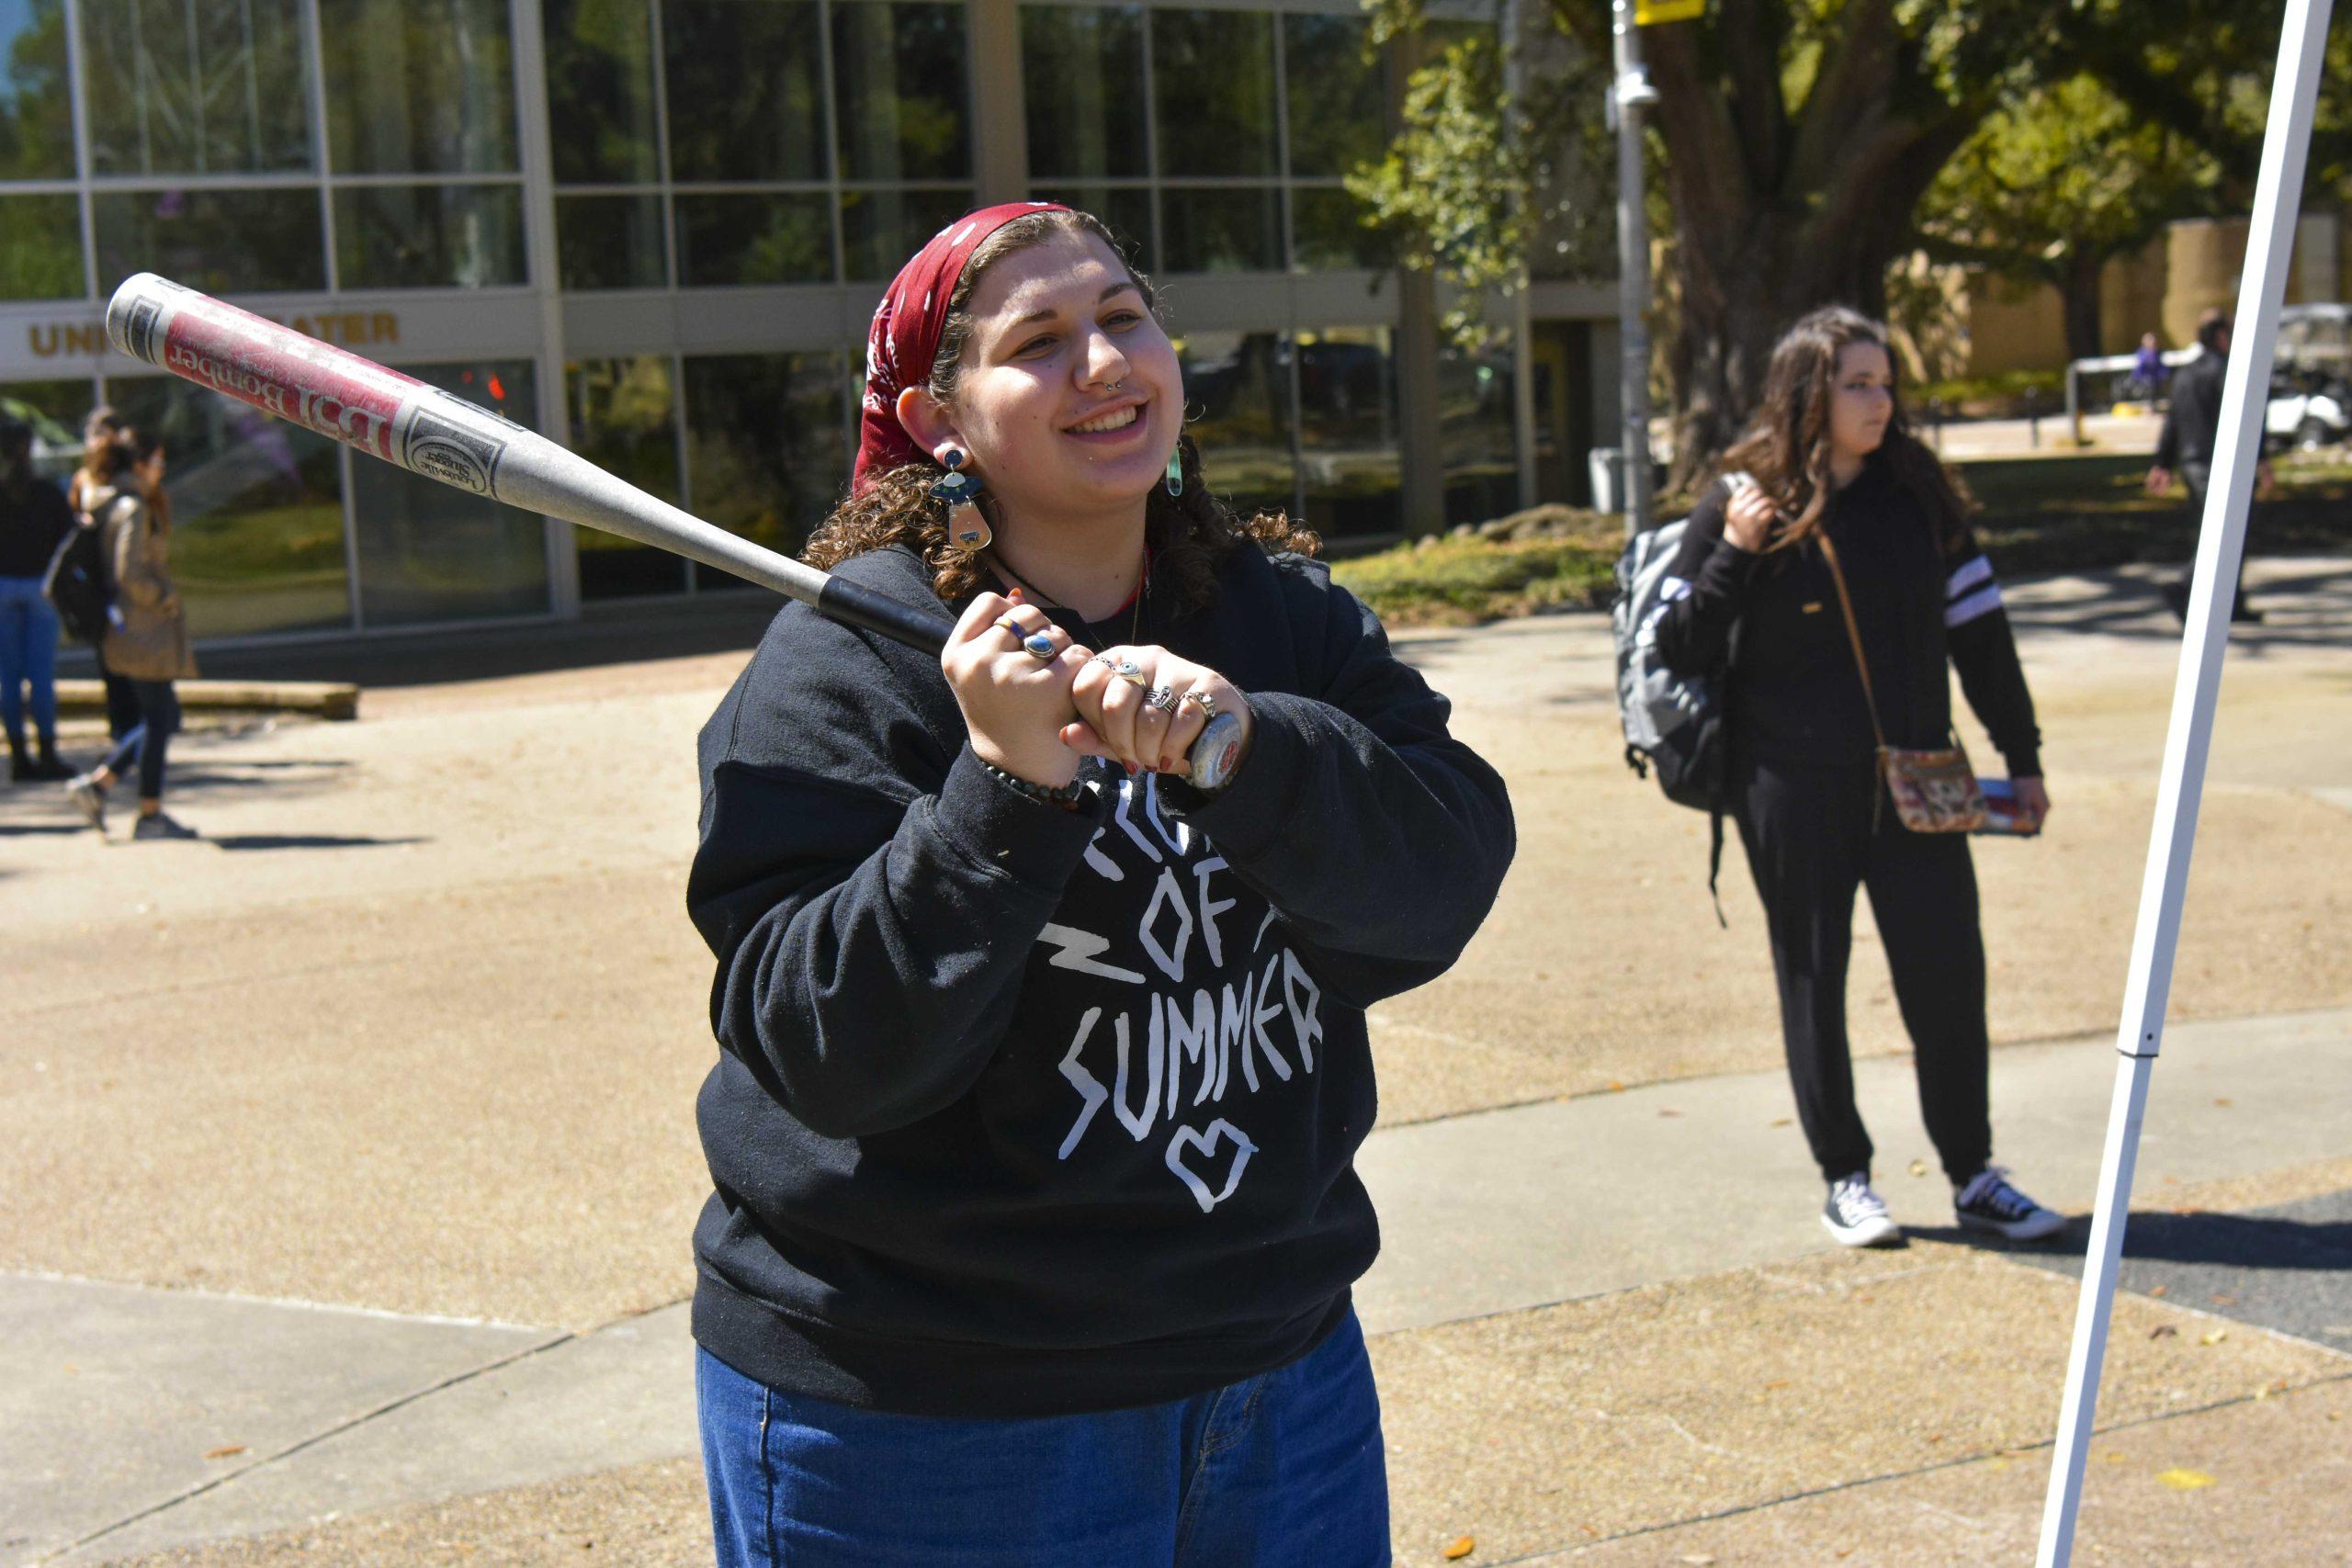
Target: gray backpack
<point x="1673" y="722"/>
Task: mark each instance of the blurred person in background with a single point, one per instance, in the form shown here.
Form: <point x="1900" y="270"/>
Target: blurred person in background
<point x="34" y="520"/>
<point x="100" y="430"/>
<point x="147" y="645"/>
<point x="2186" y="448"/>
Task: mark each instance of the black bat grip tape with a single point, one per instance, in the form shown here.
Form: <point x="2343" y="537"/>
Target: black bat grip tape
<point x="854" y="604"/>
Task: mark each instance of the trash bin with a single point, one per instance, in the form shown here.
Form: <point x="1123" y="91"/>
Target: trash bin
<point x="1608" y="468"/>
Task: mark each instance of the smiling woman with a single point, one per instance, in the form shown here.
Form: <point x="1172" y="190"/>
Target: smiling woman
<point x="949" y="1311"/>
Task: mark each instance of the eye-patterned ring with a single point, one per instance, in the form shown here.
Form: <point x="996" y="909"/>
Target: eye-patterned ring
<point x="1127" y="670"/>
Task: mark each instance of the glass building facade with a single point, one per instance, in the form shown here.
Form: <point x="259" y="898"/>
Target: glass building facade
<point x="656" y="229"/>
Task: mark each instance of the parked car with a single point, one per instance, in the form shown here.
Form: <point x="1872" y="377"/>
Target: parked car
<point x="2307" y="411"/>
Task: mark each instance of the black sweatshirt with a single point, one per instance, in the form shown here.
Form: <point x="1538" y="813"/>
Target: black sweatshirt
<point x="2193" y="416"/>
<point x="32" y="522"/>
<point x="1020" y="1110"/>
<point x="1792" y="694"/>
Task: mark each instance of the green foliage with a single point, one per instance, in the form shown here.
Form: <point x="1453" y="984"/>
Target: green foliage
<point x="1478" y="183"/>
<point x="2069" y="171"/>
<point x="1459" y="582"/>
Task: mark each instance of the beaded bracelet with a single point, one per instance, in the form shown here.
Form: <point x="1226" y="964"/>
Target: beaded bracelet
<point x="1068" y="797"/>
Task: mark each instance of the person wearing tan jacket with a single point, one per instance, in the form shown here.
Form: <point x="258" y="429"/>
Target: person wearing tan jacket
<point x="147" y="643"/>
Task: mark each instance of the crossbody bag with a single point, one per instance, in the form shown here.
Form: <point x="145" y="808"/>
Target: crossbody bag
<point x="1935" y="792"/>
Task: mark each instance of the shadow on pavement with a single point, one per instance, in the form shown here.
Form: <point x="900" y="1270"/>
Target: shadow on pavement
<point x="242" y="842"/>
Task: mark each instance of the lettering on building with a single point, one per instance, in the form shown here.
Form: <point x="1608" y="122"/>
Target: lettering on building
<point x="344" y="329"/>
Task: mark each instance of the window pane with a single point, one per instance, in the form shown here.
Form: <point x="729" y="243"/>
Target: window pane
<point x="41" y="255"/>
<point x="256" y="511"/>
<point x="1349" y="446"/>
<point x="429" y="236"/>
<point x="1214" y="73"/>
<point x="753" y="239"/>
<point x="881" y="229"/>
<point x="610" y="241"/>
<point x="600" y="90"/>
<point x="1242" y="382"/>
<point x="244" y="242"/>
<point x="623" y="415"/>
<point x="1127" y="211"/>
<point x="899" y="73"/>
<point x="1328" y="235"/>
<point x="36" y="118"/>
<point x="1336" y="111"/>
<point x="418" y="87"/>
<point x="1477" y="435"/>
<point x="1083" y="72"/>
<point x="765" y="445"/>
<point x="1221" y="228"/>
<point x="194" y="86"/>
<point x="433" y="552"/>
<point x="746" y="98"/>
<point x="54" y="410"/>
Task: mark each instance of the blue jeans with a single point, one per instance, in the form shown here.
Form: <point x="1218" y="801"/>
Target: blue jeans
<point x="28" y="654"/>
<point x="1278" y="1471"/>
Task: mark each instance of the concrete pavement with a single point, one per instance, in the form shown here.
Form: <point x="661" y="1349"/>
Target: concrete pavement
<point x="406" y="1051"/>
<point x="1486" y="1217"/>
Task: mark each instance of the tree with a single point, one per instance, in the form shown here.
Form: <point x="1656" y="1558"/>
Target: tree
<point x="2052" y="189"/>
<point x="1797" y="138"/>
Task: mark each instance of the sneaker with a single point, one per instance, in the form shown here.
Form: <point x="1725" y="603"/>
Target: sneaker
<point x="88" y="799"/>
<point x="1857" y="1215"/>
<point x="158" y="826"/>
<point x="1989" y="1203"/>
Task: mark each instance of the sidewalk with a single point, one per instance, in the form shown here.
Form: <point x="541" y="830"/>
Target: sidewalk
<point x="1523" y="1234"/>
<point x="350" y="1227"/>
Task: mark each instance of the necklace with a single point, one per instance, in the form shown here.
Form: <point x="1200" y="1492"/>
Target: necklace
<point x="1134" y="622"/>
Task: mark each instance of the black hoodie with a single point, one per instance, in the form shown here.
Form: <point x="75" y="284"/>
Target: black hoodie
<point x="1023" y="1111"/>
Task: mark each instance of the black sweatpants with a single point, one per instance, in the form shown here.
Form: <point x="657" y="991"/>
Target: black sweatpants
<point x="1810" y="843"/>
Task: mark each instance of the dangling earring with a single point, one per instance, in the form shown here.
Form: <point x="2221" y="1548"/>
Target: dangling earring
<point x="1176" y="471"/>
<point x="967" y="526"/>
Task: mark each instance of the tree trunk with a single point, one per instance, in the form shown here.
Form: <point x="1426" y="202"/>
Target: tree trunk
<point x="1776" y="215"/>
<point x="2080" y="286"/>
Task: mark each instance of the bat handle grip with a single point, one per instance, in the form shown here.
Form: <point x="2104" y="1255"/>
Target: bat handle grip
<point x="855" y="605"/>
<point x="1214" y="755"/>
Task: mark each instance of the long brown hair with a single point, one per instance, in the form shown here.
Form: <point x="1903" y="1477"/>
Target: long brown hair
<point x="1786" y="449"/>
<point x="1188" y="534"/>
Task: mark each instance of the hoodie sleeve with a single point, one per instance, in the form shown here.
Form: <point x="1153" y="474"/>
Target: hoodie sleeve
<point x="1379" y="839"/>
<point x="1704" y="591"/>
<point x="1984" y="651"/>
<point x="871" y="898"/>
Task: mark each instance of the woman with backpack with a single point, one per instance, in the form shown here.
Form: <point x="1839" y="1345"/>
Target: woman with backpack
<point x="1040" y="1080"/>
<point x="1831" y="581"/>
<point x="34" y="520"/>
<point x="146" y="644"/>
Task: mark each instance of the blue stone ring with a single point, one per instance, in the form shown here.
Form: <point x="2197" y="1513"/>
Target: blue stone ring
<point x="1039" y="643"/>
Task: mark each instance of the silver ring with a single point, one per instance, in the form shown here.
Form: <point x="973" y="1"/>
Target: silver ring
<point x="1163" y="699"/>
<point x="1040" y="644"/>
<point x="1208" y="702"/>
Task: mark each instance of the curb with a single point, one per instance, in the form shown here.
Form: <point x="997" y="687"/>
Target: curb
<point x="333" y="700"/>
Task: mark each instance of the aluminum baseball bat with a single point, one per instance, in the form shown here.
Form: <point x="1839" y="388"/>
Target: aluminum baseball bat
<point x="377" y="411"/>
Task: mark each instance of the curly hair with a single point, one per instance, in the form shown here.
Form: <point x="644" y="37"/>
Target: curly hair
<point x="1188" y="534"/>
<point x="1786" y="449"/>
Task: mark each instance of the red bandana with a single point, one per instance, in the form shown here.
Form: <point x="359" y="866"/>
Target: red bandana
<point x="904" y="338"/>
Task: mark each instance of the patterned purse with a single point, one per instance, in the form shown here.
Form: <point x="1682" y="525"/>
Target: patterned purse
<point x="1935" y="792"/>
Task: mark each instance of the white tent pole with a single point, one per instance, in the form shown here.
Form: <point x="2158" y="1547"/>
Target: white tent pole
<point x="2220" y="545"/>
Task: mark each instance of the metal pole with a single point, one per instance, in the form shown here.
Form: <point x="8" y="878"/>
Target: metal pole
<point x="2221" y="543"/>
<point x="1522" y="326"/>
<point x="1628" y="93"/>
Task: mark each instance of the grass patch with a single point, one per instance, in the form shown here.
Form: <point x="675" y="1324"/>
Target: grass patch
<point x="1457" y="582"/>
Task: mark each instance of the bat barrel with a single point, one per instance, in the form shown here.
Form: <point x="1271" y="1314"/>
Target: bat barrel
<point x="402" y="421"/>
